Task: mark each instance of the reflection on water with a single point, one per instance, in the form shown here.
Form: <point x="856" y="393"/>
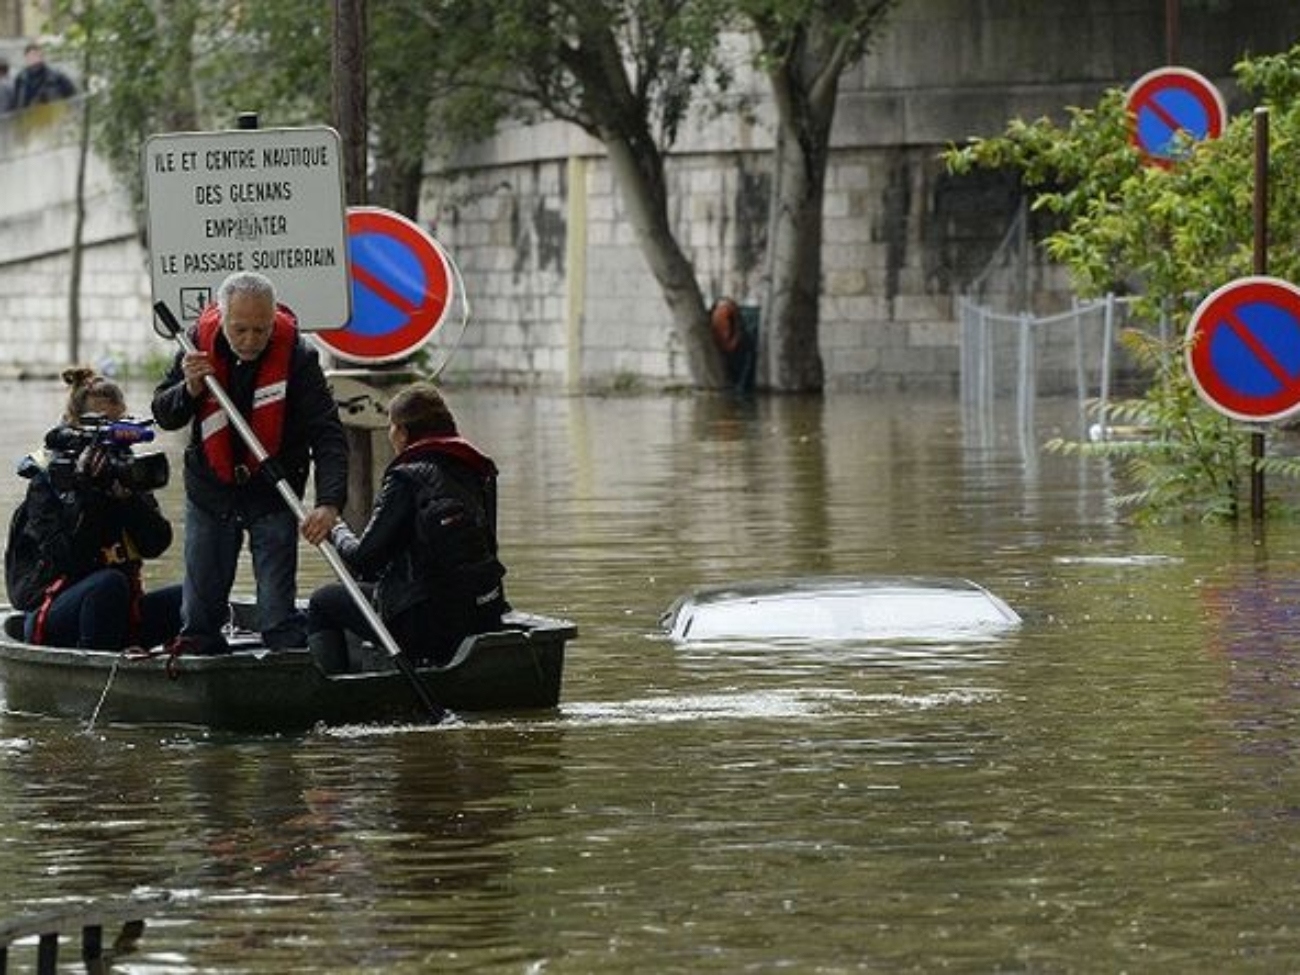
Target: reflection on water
<point x="1111" y="787"/>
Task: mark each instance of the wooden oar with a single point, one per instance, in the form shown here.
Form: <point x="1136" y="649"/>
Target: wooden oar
<point x="435" y="711"/>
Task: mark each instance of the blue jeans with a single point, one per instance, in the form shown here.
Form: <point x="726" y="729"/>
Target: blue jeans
<point x="212" y="547"/>
<point x="94" y="614"/>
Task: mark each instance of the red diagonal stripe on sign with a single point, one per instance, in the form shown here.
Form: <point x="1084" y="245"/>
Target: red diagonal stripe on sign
<point x="381" y="288"/>
<point x="1164" y="116"/>
<point x="1261" y="351"/>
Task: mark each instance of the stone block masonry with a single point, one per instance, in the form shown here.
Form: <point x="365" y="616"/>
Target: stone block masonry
<point x="560" y="292"/>
<point x="902" y="237"/>
<point x="38" y="156"/>
<point x="881" y="281"/>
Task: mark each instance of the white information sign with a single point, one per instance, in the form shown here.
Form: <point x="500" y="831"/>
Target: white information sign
<point x="266" y="200"/>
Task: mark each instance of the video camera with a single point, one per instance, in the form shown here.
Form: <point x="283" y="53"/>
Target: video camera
<point x="98" y="454"/>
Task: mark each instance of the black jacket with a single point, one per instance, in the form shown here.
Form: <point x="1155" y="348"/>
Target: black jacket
<point x="81" y="530"/>
<point x="431" y="537"/>
<point x="312" y="433"/>
<point x="38" y="84"/>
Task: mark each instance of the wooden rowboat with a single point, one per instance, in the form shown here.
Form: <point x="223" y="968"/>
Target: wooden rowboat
<point x="253" y="689"/>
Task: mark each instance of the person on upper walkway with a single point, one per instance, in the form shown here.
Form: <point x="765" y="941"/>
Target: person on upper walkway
<point x="38" y="83"/>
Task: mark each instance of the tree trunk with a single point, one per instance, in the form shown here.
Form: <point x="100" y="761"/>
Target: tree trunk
<point x="349" y="87"/>
<point x="78" y="248"/>
<point x="805" y="110"/>
<point x="77" y="251"/>
<point x="646" y="200"/>
<point x="808" y="59"/>
<point x="791" y="353"/>
<point x="177" y="25"/>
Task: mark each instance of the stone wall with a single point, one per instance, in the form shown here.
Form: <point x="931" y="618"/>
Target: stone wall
<point x="38" y="168"/>
<point x="901" y="236"/>
<point x="559" y="290"/>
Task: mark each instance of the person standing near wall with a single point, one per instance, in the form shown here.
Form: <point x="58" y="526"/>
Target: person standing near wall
<point x="735" y="333"/>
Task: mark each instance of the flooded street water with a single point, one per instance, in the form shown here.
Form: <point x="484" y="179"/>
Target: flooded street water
<point x="1114" y="786"/>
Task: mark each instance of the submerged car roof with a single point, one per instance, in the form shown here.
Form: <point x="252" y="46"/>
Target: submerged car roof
<point x="839" y="608"/>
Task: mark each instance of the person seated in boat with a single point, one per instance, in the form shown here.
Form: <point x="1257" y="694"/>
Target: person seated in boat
<point x="91" y="520"/>
<point x="429" y="546"/>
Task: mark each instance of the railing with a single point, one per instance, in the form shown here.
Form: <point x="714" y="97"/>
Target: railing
<point x="48" y="927"/>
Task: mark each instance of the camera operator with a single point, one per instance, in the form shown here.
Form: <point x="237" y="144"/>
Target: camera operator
<point x="91" y="521"/>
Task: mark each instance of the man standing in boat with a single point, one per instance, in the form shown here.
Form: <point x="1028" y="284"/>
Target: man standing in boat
<point x="251" y="346"/>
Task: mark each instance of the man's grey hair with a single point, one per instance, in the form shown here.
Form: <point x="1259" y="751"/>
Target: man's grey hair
<point x="244" y="283"/>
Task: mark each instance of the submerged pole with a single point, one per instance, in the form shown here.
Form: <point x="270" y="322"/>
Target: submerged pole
<point x="1261" y="267"/>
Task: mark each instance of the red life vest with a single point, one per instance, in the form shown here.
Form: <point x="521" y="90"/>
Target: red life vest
<point x="270" y="386"/>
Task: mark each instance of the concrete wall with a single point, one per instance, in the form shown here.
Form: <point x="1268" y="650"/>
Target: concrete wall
<point x="559" y="289"/>
<point x="38" y="170"/>
<point x="19" y="18"/>
<point x="901" y="235"/>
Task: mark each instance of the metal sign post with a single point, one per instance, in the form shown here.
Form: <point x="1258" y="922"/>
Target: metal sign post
<point x="1261" y="267"/>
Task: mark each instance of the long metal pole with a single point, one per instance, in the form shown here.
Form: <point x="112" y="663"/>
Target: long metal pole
<point x="1261" y="267"/>
<point x="300" y="512"/>
<point x="1171" y="31"/>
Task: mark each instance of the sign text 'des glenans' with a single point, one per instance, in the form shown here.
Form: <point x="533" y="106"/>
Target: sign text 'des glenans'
<point x="268" y="200"/>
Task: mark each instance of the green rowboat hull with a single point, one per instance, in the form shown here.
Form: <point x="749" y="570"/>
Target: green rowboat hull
<point x="253" y="689"/>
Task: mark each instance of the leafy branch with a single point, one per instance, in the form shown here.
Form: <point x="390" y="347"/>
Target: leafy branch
<point x="1167" y="237"/>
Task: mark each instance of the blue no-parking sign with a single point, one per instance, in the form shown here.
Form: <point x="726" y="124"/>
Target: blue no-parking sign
<point x="1243" y="349"/>
<point x="401" y="288"/>
<point x="1169" y="106"/>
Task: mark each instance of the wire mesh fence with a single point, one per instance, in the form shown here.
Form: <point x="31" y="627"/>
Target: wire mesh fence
<point x="1013" y="357"/>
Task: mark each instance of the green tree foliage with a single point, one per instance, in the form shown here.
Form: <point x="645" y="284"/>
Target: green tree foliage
<point x="423" y="55"/>
<point x="190" y="65"/>
<point x="625" y="68"/>
<point x="1169" y="237"/>
<point x="443" y="72"/>
<point x="142" y="81"/>
<point x="268" y="58"/>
